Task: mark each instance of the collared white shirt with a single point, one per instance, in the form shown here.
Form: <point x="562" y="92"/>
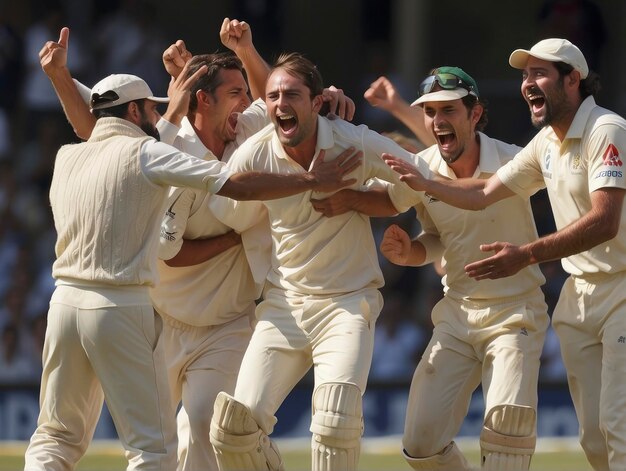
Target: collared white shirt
<point x="219" y="289"/>
<point x="456" y="234"/>
<point x="590" y="157"/>
<point x="314" y="254"/>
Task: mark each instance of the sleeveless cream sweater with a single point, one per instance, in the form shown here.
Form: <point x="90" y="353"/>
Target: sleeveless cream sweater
<point x="106" y="212"/>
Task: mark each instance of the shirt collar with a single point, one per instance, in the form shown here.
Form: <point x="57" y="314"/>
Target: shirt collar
<point x="193" y="144"/>
<point x="581" y="117"/>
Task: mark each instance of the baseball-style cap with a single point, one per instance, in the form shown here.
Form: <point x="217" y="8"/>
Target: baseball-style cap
<point x="118" y="89"/>
<point x="454" y="83"/>
<point x="553" y="50"/>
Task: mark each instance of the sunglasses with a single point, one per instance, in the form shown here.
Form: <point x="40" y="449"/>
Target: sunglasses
<point x="446" y="81"/>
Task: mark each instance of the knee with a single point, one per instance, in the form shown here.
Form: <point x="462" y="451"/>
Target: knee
<point x="237" y="439"/>
<point x="198" y="417"/>
<point x="508" y="437"/>
<point x="419" y="440"/>
<point x="337" y="425"/>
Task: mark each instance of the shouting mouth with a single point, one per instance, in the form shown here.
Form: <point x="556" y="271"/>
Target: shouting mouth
<point x="536" y="101"/>
<point x="287" y="123"/>
<point x="446" y="139"/>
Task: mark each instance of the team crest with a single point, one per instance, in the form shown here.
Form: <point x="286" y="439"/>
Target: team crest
<point x="547" y="160"/>
<point x="611" y="157"/>
<point x="576" y="162"/>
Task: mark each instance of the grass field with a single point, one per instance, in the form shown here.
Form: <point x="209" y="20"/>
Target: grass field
<point x="376" y="455"/>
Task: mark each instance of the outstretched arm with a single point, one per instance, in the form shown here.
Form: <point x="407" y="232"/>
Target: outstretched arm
<point x="383" y="94"/>
<point x="599" y="225"/>
<point x="324" y="176"/>
<point x="465" y="193"/>
<point x="53" y="60"/>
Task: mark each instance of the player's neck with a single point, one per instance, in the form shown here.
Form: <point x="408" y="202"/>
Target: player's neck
<point x="465" y="166"/>
<point x="304" y="152"/>
<point x="209" y="138"/>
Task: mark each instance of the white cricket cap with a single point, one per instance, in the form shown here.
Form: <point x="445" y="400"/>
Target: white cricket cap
<point x="553" y="50"/>
<point x="118" y="89"/>
<point x="441" y="95"/>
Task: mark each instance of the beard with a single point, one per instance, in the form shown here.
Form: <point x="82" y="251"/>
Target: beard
<point x="452" y="157"/>
<point x="556" y="106"/>
<point x="150" y="129"/>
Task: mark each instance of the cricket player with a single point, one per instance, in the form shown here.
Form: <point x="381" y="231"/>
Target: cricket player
<point x="577" y="155"/>
<point x="214" y="252"/>
<point x="107" y="194"/>
<point x="321" y="301"/>
<point x="488" y="331"/>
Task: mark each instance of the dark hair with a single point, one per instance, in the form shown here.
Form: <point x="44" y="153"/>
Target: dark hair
<point x="588" y="86"/>
<point x="118" y="111"/>
<point x="212" y="79"/>
<point x="470" y="101"/>
<point x="300" y="67"/>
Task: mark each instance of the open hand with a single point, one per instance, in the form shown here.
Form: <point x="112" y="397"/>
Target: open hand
<point x="507" y="260"/>
<point x="408" y="172"/>
<point x="329" y="175"/>
<point x="179" y="92"/>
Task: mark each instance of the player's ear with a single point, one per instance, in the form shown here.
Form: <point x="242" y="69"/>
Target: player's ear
<point x="318" y="101"/>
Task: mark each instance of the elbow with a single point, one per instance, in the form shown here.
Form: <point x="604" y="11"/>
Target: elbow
<point x="610" y="230"/>
<point x="236" y="190"/>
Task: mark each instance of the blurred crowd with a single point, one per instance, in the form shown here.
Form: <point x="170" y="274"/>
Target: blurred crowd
<point x="33" y="127"/>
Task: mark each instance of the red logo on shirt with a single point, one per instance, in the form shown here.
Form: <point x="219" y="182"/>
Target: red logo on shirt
<point x="611" y="156"/>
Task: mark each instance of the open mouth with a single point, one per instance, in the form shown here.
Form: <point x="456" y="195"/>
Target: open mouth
<point x="287" y="123"/>
<point x="232" y="121"/>
<point x="536" y="101"/>
<point x="446" y="139"/>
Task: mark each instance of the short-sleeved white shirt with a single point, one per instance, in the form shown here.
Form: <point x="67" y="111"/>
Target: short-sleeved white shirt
<point x="460" y="232"/>
<point x="221" y="288"/>
<point x="590" y="157"/>
<point x="312" y="253"/>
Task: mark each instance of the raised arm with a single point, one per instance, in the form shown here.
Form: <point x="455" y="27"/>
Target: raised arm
<point x="383" y="94"/>
<point x="237" y="36"/>
<point x="53" y="60"/>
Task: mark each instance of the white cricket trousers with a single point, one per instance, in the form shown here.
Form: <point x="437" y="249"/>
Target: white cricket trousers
<point x="498" y="342"/>
<point x="590" y="321"/>
<point x="201" y="362"/>
<point x="111" y="354"/>
<point x="334" y="334"/>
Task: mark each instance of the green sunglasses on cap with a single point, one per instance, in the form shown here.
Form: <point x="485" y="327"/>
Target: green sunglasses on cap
<point x="449" y="78"/>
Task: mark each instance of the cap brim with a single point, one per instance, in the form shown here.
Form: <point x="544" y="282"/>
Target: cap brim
<point x="442" y="95"/>
<point x="158" y="99"/>
<point x="519" y="58"/>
